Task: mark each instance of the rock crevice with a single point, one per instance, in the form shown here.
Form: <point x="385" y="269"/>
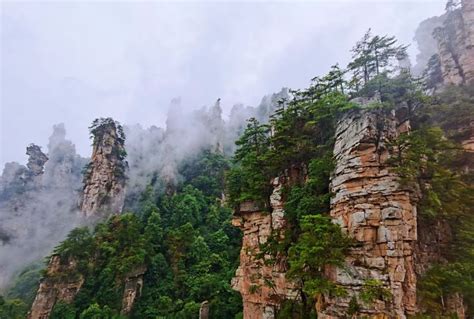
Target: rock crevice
<point x="104" y="177"/>
<point x="371" y="206"/>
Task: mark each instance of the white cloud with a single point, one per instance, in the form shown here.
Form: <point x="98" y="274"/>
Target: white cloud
<point x="73" y="61"/>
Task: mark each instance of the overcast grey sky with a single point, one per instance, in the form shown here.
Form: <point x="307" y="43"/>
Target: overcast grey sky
<point x="74" y="61"/>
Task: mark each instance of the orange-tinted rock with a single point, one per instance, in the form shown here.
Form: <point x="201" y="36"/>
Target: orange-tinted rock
<point x="371" y="206"/>
<point x="263" y="286"/>
<point x="60" y="284"/>
<point x="133" y="289"/>
<point x="104" y="181"/>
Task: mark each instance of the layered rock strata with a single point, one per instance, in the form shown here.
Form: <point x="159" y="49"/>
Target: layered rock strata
<point x="61" y="283"/>
<point x="132" y="290"/>
<point x="104" y="180"/>
<point x="456" y="44"/>
<point x="371" y="206"/>
<point x="263" y="286"/>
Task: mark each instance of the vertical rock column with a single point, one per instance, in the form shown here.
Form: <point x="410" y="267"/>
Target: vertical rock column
<point x="456" y="45"/>
<point x="467" y="57"/>
<point x="104" y="180"/>
<point x="263" y="286"/>
<point x="370" y="206"/>
<point x="133" y="289"/>
<point x="60" y="284"/>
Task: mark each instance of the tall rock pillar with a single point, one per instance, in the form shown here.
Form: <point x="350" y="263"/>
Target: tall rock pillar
<point x="371" y="206"/>
<point x="104" y="178"/>
<point x="456" y="44"/>
<point x="263" y="286"/>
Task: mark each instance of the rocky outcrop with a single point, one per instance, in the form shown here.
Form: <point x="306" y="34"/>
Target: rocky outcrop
<point x="38" y="203"/>
<point x="456" y="44"/>
<point x="132" y="290"/>
<point x="104" y="179"/>
<point x="204" y="310"/>
<point x="263" y="286"/>
<point x="371" y="206"/>
<point x="61" y="283"/>
<point x="16" y="179"/>
<point x="36" y="159"/>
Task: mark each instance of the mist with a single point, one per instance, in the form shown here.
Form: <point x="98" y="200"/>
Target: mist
<point x="73" y="62"/>
<point x="38" y="207"/>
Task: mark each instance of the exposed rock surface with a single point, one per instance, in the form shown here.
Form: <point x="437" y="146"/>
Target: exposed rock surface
<point x="427" y="45"/>
<point x="104" y="180"/>
<point x="370" y="206"/>
<point x="60" y="284"/>
<point x="132" y="290"/>
<point x="38" y="203"/>
<point x="204" y="310"/>
<point x="456" y="44"/>
<point x="36" y="159"/>
<point x="263" y="286"/>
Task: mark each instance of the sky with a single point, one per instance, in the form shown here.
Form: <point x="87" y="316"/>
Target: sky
<point x="71" y="62"/>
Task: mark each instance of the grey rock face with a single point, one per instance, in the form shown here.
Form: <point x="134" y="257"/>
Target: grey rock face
<point x="104" y="180"/>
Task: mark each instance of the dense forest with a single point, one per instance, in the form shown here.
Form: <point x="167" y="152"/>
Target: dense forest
<point x="182" y="237"/>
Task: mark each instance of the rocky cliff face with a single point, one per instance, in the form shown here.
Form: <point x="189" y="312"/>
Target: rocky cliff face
<point x="104" y="180"/>
<point x="103" y="194"/>
<point x="59" y="285"/>
<point x="456" y="44"/>
<point x="132" y="290"/>
<point x="263" y="286"/>
<point x="371" y="206"/>
<point x="34" y="215"/>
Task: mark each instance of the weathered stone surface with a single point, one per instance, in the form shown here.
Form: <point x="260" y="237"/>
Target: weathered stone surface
<point x="132" y="290"/>
<point x="52" y="289"/>
<point x="262" y="286"/>
<point x="456" y="44"/>
<point x="36" y="159"/>
<point x="204" y="310"/>
<point x="371" y="206"/>
<point x="104" y="181"/>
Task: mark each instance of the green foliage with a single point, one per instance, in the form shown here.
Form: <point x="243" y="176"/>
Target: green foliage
<point x="433" y="74"/>
<point x="101" y="128"/>
<point x="424" y="161"/>
<point x="320" y="244"/>
<point x="94" y="311"/>
<point x="206" y="172"/>
<point x="62" y="310"/>
<point x="12" y="308"/>
<point x="430" y="161"/>
<point x="183" y="240"/>
<point x="291" y="309"/>
<point x="354" y="306"/>
<point x="301" y="137"/>
<point x="372" y="56"/>
<point x="77" y="244"/>
<point x="26" y="283"/>
<point x="300" y="132"/>
<point x="249" y="178"/>
<point x="441" y="281"/>
<point x="372" y="290"/>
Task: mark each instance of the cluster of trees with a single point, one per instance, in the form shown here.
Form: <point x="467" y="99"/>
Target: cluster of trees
<point x="374" y="56"/>
<point x="184" y="240"/>
<point x="301" y="135"/>
<point x="431" y="160"/>
<point x="190" y="251"/>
